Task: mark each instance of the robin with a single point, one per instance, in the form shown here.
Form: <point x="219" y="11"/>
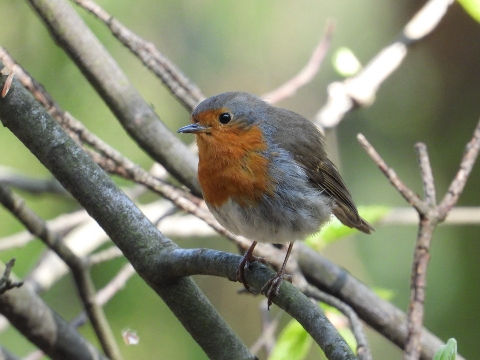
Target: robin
<point x="265" y="175"/>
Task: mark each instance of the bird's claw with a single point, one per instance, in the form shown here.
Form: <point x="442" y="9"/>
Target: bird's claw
<point x="272" y="287"/>
<point x="247" y="259"/>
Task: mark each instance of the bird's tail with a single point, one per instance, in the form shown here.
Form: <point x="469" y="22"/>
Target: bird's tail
<point x="351" y="219"/>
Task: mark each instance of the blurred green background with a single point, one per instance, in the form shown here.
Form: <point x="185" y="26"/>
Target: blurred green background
<point x="255" y="46"/>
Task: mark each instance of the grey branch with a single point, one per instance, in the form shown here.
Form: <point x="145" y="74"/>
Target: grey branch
<point x="79" y="268"/>
<point x="26" y="311"/>
<point x="186" y="92"/>
<point x="131" y="231"/>
<point x="133" y="112"/>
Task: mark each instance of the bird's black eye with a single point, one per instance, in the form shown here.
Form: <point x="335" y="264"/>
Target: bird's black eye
<point x="225" y="118"/>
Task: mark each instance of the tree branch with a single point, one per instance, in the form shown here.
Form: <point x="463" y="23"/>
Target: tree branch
<point x="186" y="262"/>
<point x="80" y="271"/>
<point x="360" y="90"/>
<point x="430" y="216"/>
<point x="26" y="311"/>
<point x="135" y="115"/>
<point x="134" y="234"/>
<point x="185" y="91"/>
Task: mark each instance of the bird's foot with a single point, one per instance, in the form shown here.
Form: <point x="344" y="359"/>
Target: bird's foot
<point x="248" y="258"/>
<point x="272" y="287"/>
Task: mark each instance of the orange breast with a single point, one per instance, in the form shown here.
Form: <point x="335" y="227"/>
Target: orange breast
<point x="232" y="166"/>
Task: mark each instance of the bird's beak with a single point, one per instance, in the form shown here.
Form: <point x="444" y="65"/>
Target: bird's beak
<point x="194" y="128"/>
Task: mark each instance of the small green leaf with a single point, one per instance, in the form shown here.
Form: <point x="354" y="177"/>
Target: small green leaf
<point x="345" y="62"/>
<point x="335" y="230"/>
<point x="293" y="343"/>
<point x="472" y="7"/>
<point x="384" y="293"/>
<point x="447" y="351"/>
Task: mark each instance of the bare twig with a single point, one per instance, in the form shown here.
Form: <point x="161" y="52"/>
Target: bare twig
<point x="430" y="215"/>
<point x="33" y="185"/>
<point x="360" y="90"/>
<point x="186" y="92"/>
<point x="408" y="194"/>
<point x="135" y="115"/>
<point x="363" y="350"/>
<point x="104" y="295"/>
<point x="81" y="273"/>
<point x="269" y="326"/>
<point x="458" y="183"/>
<point x="307" y="73"/>
<point x="6" y="282"/>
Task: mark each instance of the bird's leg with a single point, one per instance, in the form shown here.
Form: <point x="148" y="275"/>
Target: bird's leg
<point x="272" y="287"/>
<point x="248" y="258"/>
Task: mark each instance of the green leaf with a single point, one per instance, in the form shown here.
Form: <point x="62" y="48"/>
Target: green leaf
<point x="293" y="343"/>
<point x="384" y="293"/>
<point x="447" y="351"/>
<point x="345" y="62"/>
<point x="335" y="230"/>
<point x="472" y="7"/>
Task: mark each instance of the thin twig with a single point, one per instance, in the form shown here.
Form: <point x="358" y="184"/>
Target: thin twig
<point x="360" y="90"/>
<point x="363" y="350"/>
<point x="430" y="216"/>
<point x="460" y="179"/>
<point x="408" y="194"/>
<point x="307" y="73"/>
<point x="104" y="295"/>
<point x="186" y="92"/>
<point x="6" y="282"/>
<point x="269" y="326"/>
<point x="428" y="222"/>
<point x="81" y="273"/>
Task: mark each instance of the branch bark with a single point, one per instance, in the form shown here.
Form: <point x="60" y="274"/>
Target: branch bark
<point x="134" y="234"/>
<point x="133" y="112"/>
<point x="44" y="327"/>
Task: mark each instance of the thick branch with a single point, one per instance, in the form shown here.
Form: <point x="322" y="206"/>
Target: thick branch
<point x="185" y="262"/>
<point x="44" y="327"/>
<point x="80" y="271"/>
<point x="134" y="113"/>
<point x="134" y="234"/>
<point x="186" y="92"/>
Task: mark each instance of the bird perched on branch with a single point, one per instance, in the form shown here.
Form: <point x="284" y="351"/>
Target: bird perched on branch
<point x="265" y="175"/>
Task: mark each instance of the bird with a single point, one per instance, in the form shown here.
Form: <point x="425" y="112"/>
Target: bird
<point x="265" y="175"/>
